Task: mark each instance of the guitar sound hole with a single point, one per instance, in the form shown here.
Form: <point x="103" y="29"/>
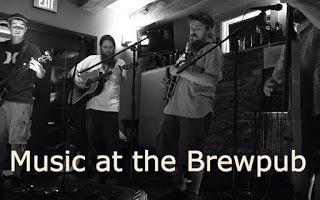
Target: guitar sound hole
<point x="88" y="82"/>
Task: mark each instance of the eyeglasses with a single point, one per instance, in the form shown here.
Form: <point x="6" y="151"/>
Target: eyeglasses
<point x="18" y="27"/>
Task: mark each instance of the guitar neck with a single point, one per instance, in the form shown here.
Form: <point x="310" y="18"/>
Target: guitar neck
<point x="42" y="59"/>
<point x="107" y="73"/>
<point x="14" y="74"/>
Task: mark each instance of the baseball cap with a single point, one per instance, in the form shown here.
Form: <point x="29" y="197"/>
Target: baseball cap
<point x="202" y="17"/>
<point x="19" y="17"/>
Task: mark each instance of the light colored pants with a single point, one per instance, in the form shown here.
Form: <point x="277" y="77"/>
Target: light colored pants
<point x="15" y="122"/>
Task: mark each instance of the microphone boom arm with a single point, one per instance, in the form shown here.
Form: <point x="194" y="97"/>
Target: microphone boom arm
<point x="129" y="47"/>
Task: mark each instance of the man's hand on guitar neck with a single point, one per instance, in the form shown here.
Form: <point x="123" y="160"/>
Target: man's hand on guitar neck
<point x="37" y="68"/>
<point x="173" y="70"/>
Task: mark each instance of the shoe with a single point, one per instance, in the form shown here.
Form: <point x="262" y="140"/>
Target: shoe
<point x="174" y="195"/>
<point x="188" y="195"/>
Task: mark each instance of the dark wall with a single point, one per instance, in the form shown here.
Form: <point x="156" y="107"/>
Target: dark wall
<point x="59" y="41"/>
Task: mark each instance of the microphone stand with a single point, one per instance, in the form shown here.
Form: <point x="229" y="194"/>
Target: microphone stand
<point x="70" y="119"/>
<point x="123" y="50"/>
<point x="133" y="108"/>
<point x="288" y="47"/>
<point x="235" y="100"/>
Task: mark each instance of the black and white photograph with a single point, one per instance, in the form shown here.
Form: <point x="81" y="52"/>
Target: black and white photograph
<point x="159" y="100"/>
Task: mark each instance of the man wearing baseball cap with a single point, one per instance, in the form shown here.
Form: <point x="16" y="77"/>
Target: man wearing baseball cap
<point x="16" y="110"/>
<point x="187" y="114"/>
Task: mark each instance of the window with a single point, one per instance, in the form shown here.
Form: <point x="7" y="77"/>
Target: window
<point x="225" y="27"/>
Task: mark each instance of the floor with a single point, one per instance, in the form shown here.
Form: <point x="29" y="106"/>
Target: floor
<point x="216" y="186"/>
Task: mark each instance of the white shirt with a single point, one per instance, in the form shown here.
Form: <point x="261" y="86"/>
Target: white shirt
<point x="109" y="98"/>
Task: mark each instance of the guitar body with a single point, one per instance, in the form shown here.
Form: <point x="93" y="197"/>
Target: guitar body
<point x="81" y="96"/>
<point x="93" y="86"/>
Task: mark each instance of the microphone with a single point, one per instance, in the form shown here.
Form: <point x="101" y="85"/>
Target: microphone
<point x="148" y="32"/>
<point x="269" y="7"/>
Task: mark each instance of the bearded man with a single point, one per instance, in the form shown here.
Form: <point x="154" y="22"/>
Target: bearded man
<point x="187" y="114"/>
<point x="102" y="111"/>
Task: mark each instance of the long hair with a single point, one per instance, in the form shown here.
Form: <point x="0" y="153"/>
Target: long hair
<point x="111" y="62"/>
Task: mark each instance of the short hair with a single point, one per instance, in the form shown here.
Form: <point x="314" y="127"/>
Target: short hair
<point x="18" y="16"/>
<point x="109" y="38"/>
<point x="204" y="18"/>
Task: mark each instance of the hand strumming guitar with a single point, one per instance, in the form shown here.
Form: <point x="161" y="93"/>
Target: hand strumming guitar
<point x="116" y="75"/>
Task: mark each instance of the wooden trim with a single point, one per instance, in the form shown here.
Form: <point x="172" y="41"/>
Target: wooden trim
<point x="95" y="6"/>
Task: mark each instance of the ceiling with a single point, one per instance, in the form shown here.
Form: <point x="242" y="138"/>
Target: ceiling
<point x="149" y="11"/>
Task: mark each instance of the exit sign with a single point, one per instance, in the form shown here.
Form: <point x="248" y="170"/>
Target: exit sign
<point x="50" y="5"/>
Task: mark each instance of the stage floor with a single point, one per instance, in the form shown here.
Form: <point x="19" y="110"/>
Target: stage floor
<point x="215" y="186"/>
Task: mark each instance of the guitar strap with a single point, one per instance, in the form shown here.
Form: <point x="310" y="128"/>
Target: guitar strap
<point x="20" y="56"/>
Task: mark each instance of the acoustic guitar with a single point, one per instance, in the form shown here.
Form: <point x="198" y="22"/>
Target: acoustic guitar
<point x="92" y="85"/>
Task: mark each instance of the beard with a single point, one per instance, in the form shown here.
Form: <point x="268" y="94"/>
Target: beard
<point x="196" y="44"/>
<point x="110" y="62"/>
<point x="298" y="17"/>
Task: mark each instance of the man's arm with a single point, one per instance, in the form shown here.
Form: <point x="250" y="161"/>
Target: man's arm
<point x="277" y="75"/>
<point x="201" y="79"/>
<point x="118" y="74"/>
<point x="84" y="64"/>
<point x="37" y="68"/>
<point x="309" y="8"/>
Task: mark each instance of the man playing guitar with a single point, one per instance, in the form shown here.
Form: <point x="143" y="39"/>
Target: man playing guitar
<point x="102" y="110"/>
<point x="188" y="111"/>
<point x="16" y="111"/>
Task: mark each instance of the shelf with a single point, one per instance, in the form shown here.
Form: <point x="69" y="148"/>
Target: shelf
<point x="157" y="53"/>
<point x="257" y="47"/>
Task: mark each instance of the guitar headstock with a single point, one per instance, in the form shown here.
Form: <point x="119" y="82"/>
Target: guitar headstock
<point x="47" y="56"/>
